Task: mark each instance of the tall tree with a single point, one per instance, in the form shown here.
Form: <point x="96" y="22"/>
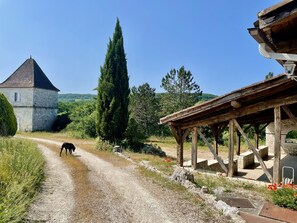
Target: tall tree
<point x="182" y="91"/>
<point x="113" y="90"/>
<point x="145" y="108"/>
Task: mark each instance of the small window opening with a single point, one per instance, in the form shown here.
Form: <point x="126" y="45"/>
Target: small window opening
<point x="17" y="96"/>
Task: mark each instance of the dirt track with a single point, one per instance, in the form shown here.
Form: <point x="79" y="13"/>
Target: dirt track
<point x="101" y="191"/>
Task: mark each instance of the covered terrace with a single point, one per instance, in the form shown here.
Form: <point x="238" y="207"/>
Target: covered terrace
<point x="269" y="101"/>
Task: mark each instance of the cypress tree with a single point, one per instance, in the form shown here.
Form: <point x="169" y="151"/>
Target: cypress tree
<point x="113" y="90"/>
<point x="8" y="122"/>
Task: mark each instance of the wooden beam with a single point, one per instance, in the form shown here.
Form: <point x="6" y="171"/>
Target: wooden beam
<point x="256" y="135"/>
<point x="220" y="101"/>
<point x="238" y="142"/>
<point x="243" y="111"/>
<point x="212" y="151"/>
<point x="273" y="18"/>
<point x="231" y="149"/>
<point x="186" y="133"/>
<point x="179" y="136"/>
<point x="248" y="127"/>
<point x="174" y="132"/>
<point x="289" y="113"/>
<point x="180" y="148"/>
<point x="235" y="104"/>
<point x="254" y="151"/>
<point x="194" y="148"/>
<point x="215" y="133"/>
<point x="263" y="127"/>
<point x="277" y="144"/>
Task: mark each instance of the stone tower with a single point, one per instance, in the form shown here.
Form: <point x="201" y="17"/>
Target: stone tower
<point x="33" y="97"/>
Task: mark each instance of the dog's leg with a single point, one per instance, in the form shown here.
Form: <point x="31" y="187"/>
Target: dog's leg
<point x="61" y="151"/>
<point x="66" y="150"/>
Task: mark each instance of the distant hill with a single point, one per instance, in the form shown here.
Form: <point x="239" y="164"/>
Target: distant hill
<point x="203" y="97"/>
<point x="87" y="97"/>
<point x="206" y="97"/>
<point x="75" y="97"/>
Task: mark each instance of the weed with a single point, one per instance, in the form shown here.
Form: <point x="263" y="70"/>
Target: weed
<point x="21" y="174"/>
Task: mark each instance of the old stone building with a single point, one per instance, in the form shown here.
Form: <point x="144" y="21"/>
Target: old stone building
<point x="33" y="97"/>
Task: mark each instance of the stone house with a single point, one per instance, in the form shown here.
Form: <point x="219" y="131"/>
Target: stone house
<point x="33" y="97"/>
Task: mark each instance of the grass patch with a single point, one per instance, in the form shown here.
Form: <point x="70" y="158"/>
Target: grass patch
<point x="171" y="185"/>
<point x="21" y="174"/>
<point x="165" y="165"/>
<point x="213" y="182"/>
<point x="170" y="142"/>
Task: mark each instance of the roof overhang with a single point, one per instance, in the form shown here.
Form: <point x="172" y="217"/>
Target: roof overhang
<point x="252" y="104"/>
<point x="277" y="28"/>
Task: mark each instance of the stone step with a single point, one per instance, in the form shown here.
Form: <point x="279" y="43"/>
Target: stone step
<point x="201" y="163"/>
<point x="215" y="166"/>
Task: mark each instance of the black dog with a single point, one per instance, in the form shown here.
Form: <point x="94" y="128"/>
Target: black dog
<point x="67" y="146"/>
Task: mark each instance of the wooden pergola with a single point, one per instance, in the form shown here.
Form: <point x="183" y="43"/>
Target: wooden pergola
<point x="269" y="101"/>
<point x="272" y="100"/>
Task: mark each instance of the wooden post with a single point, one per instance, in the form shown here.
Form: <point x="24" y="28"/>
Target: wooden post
<point x="231" y="149"/>
<point x="180" y="136"/>
<point x="277" y="144"/>
<point x="215" y="134"/>
<point x="254" y="151"/>
<point x="194" y="148"/>
<point x="180" y="153"/>
<point x="238" y="142"/>
<point x="216" y="131"/>
<point x="256" y="135"/>
<point x="212" y="151"/>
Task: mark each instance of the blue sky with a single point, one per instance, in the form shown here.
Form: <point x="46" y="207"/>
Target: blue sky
<point x="68" y="39"/>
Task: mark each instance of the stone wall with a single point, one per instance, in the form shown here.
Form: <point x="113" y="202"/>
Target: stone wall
<point x="25" y="96"/>
<point x="287" y="126"/>
<point x="43" y="118"/>
<point x="24" y="118"/>
<point x="35" y="109"/>
<point x="45" y="98"/>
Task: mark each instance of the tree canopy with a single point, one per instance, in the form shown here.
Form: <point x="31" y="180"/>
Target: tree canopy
<point x="113" y="90"/>
<point x="182" y="90"/>
<point x="145" y="108"/>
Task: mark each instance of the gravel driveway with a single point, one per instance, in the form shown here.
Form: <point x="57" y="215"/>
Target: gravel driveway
<point x="86" y="188"/>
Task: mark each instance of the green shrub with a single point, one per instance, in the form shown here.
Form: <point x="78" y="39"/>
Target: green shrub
<point x="61" y="122"/>
<point x="133" y="136"/>
<point x="21" y="174"/>
<point x="83" y="120"/>
<point x="103" y="145"/>
<point x="153" y="150"/>
<point x="285" y="197"/>
<point x="8" y="122"/>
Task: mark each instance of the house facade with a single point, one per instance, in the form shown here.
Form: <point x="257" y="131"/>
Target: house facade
<point x="33" y="97"/>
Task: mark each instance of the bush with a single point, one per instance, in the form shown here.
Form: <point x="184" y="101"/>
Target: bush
<point x="83" y="120"/>
<point x="103" y="145"/>
<point x="8" y="122"/>
<point x="153" y="150"/>
<point x="285" y="197"/>
<point x="61" y="122"/>
<point x="292" y="135"/>
<point x="133" y="136"/>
